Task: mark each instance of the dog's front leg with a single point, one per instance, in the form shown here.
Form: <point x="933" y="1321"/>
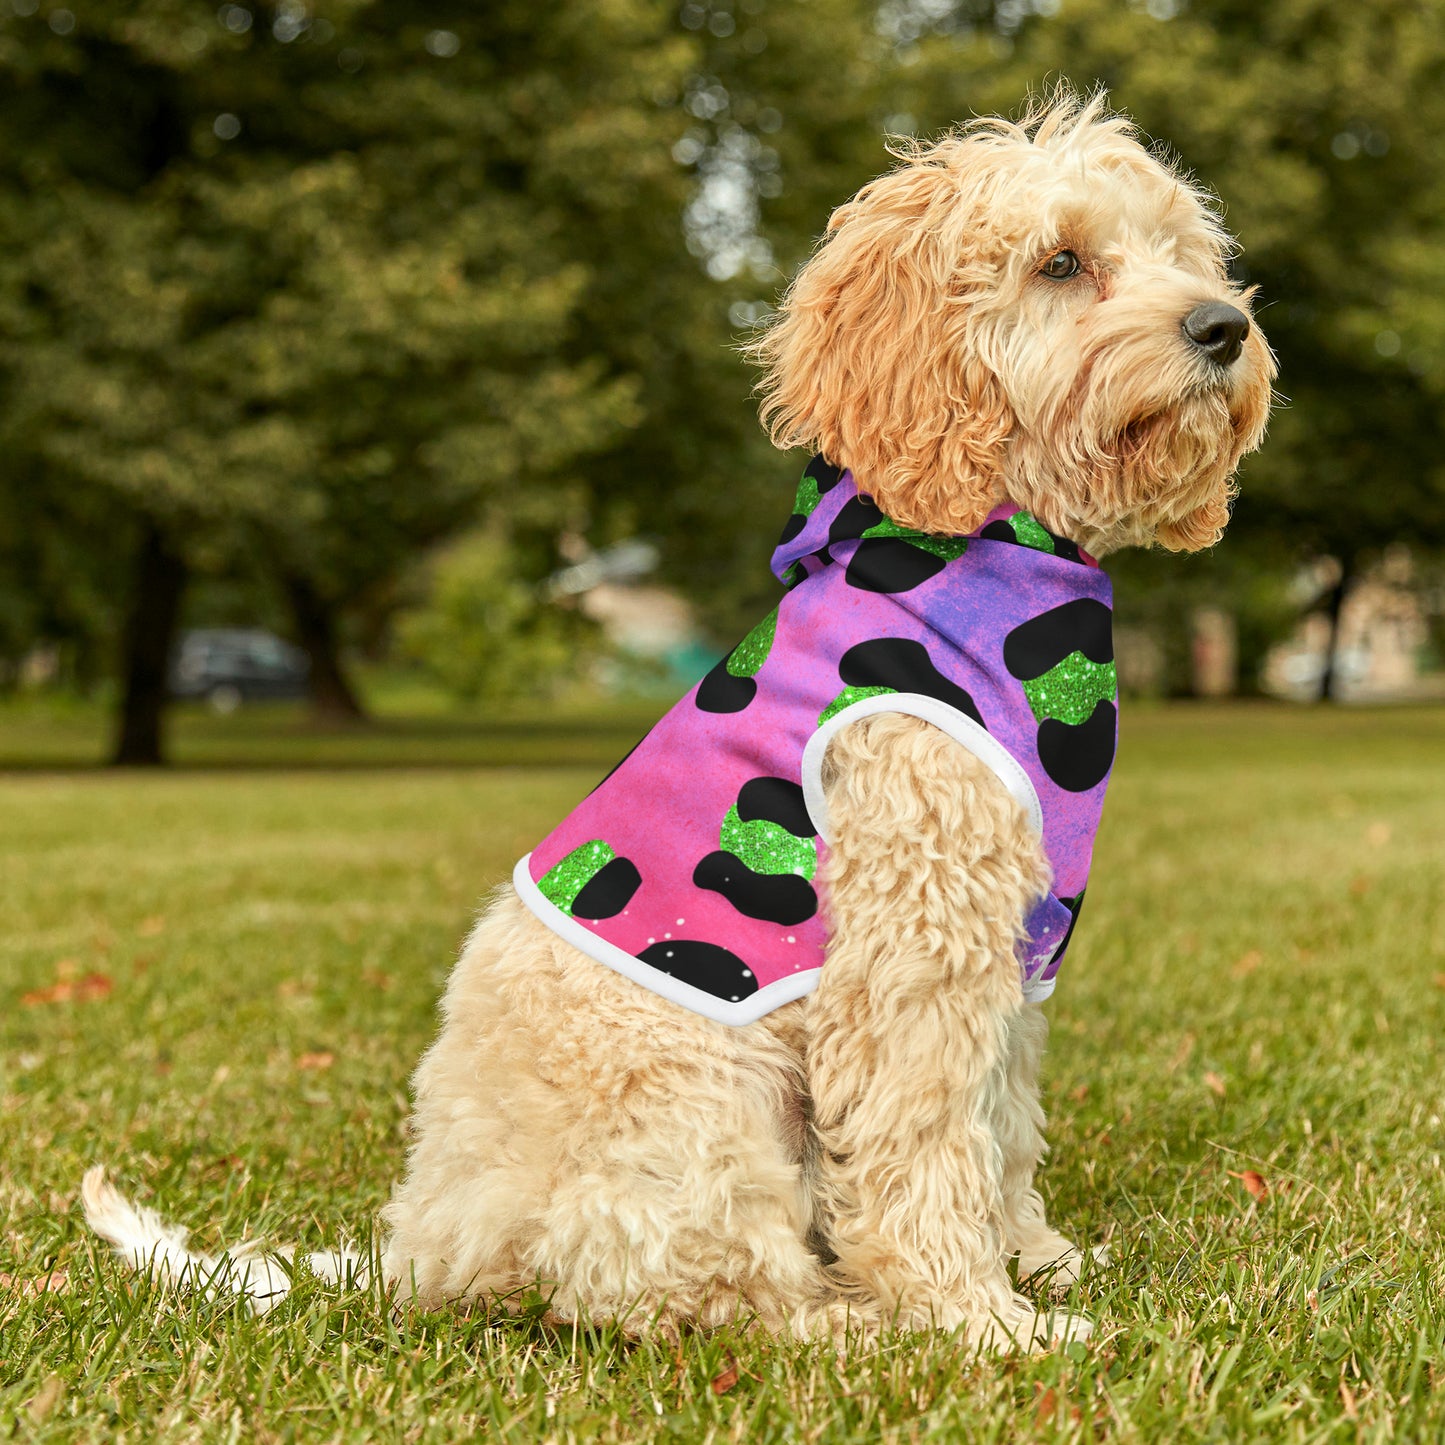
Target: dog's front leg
<point x="932" y="868"/>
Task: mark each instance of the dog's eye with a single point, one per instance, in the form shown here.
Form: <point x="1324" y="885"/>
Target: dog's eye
<point x="1060" y="266"/>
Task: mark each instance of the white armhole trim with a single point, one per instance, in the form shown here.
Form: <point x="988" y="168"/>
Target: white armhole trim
<point x="720" y="1010"/>
<point x="958" y="725"/>
<point x="1038" y="990"/>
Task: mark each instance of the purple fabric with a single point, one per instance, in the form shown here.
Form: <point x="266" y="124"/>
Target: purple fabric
<point x="694" y="867"/>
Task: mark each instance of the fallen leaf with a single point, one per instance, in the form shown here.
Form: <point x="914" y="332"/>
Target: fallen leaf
<point x="1247" y="964"/>
<point x="56" y="1282"/>
<point x="1377" y="834"/>
<point x="1255" y="1184"/>
<point x="1046" y="1408"/>
<point x="1440" y="980"/>
<point x="82" y="990"/>
<point x="724" y="1382"/>
<point x="1214" y="1083"/>
<point x="151" y="927"/>
<point x="321" y="1059"/>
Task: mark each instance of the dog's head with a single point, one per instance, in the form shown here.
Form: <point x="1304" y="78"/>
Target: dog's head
<point x="1036" y="311"/>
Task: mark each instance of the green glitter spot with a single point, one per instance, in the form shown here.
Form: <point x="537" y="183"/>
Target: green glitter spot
<point x="563" y="881"/>
<point x="1070" y="691"/>
<point x="808" y="496"/>
<point x="1027" y="529"/>
<point x="848" y="697"/>
<point x="766" y="848"/>
<point x="752" y="652"/>
<point x="950" y="549"/>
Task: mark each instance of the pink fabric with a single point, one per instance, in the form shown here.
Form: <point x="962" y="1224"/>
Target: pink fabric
<point x="694" y="867"/>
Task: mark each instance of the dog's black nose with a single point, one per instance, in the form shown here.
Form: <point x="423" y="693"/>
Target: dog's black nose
<point x="1217" y="330"/>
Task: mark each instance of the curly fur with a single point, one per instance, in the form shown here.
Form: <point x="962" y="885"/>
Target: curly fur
<point x="867" y="1155"/>
<point x="921" y="344"/>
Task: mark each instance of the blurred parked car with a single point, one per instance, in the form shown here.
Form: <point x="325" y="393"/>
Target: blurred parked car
<point x="230" y="665"/>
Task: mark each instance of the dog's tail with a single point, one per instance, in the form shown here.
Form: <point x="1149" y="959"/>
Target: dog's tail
<point x="147" y="1243"/>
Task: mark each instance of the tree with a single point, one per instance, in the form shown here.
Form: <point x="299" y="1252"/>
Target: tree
<point x="1317" y="123"/>
<point x="308" y="281"/>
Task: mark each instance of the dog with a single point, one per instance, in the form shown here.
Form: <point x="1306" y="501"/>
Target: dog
<point x="809" y="1100"/>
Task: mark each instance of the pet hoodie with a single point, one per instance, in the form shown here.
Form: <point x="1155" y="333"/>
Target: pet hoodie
<point x="693" y="867"/>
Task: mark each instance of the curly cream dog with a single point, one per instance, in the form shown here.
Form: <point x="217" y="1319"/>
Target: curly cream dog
<point x="1036" y="313"/>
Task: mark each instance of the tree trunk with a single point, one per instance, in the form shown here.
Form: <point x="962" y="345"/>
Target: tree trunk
<point x="150" y="630"/>
<point x="333" y="699"/>
<point x="1334" y="606"/>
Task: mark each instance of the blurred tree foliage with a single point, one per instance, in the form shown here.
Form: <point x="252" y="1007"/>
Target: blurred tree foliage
<point x="316" y="286"/>
<point x="323" y="284"/>
<point x="1317" y="122"/>
<point x="479" y="630"/>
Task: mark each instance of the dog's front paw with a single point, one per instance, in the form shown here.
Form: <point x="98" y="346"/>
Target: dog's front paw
<point x="1057" y="1265"/>
<point x="1023" y="1326"/>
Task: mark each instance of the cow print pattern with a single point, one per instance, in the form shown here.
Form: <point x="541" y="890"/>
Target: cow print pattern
<point x="895" y="664"/>
<point x="767" y="854"/>
<point x="706" y="966"/>
<point x="591" y="881"/>
<point x="819" y="478"/>
<point x="1023" y="529"/>
<point x="730" y="686"/>
<point x="889" y="558"/>
<point x="1065" y="660"/>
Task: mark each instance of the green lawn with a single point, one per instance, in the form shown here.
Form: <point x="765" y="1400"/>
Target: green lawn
<point x="1258" y="984"/>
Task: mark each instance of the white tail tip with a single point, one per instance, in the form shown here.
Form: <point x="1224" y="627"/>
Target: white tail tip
<point x="147" y="1243"/>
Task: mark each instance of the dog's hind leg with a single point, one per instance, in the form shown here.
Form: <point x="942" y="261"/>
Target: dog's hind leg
<point x="931" y="870"/>
<point x="577" y="1135"/>
<point x="1018" y="1124"/>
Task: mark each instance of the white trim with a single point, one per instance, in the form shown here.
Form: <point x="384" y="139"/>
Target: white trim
<point x="1039" y="990"/>
<point x="958" y="725"/>
<point x="745" y="1011"/>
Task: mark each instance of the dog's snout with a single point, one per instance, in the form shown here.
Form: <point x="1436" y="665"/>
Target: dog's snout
<point x="1218" y="330"/>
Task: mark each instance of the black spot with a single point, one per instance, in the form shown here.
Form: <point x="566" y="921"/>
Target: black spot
<point x="1078" y="757"/>
<point x="824" y="473"/>
<point x="1075" y="907"/>
<point x="1042" y="642"/>
<point x="777" y="801"/>
<point x="854" y="518"/>
<point x="720" y="691"/>
<point x="905" y="666"/>
<point x="792" y="527"/>
<point x="1003" y="532"/>
<point x="772" y="897"/>
<point x="891" y="564"/>
<point x="706" y="966"/>
<point x="608" y="891"/>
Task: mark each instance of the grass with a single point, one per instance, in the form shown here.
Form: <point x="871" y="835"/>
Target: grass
<point x="217" y="981"/>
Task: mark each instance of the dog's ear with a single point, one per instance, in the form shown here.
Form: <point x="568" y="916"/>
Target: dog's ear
<point x="872" y="358"/>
